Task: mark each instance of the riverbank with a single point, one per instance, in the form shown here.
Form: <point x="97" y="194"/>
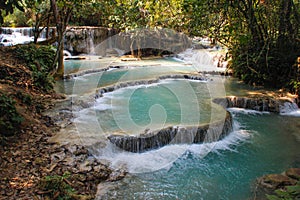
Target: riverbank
<point x="31" y="163"/>
<point x="32" y="167"/>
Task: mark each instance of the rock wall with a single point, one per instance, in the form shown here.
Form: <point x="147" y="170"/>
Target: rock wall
<point x="174" y="135"/>
<point x="83" y="39"/>
<point x="103" y="41"/>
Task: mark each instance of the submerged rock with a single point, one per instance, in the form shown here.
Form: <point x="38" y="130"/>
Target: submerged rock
<point x="174" y="135"/>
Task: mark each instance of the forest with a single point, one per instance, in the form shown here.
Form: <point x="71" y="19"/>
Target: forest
<point x="262" y="36"/>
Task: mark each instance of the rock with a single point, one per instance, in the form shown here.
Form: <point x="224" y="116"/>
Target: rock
<point x="81" y="151"/>
<point x="174" y="135"/>
<point x="293" y="173"/>
<point x="259" y="103"/>
<point x="69" y="161"/>
<point x="117" y="175"/>
<point x="85" y="167"/>
<point x="111" y="88"/>
<point x="275" y="181"/>
<point x="270" y="184"/>
<point x="79" y="40"/>
<point x="59" y="156"/>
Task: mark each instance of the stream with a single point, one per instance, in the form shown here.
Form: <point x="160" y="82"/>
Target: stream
<point x="260" y="143"/>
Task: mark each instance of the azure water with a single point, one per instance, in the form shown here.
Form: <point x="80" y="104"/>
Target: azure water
<point x="260" y="143"/>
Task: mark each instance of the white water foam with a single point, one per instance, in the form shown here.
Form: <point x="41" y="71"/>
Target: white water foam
<point x="103" y="106"/>
<point x="246" y="111"/>
<point x="111" y="69"/>
<point x="164" y="157"/>
<point x="81" y="78"/>
<point x="295" y="113"/>
<point x="117" y="92"/>
<point x="290" y="109"/>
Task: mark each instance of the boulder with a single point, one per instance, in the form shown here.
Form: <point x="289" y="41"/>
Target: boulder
<point x="293" y="173"/>
<point x="276" y="181"/>
<point x="272" y="183"/>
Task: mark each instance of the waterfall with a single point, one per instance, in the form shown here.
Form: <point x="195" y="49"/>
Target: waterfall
<point x="174" y="135"/>
<point x="112" y="88"/>
<point x="22" y="35"/>
<point x="110" y="45"/>
<point x="268" y="104"/>
<point x="90" y="41"/>
<point x="67" y="53"/>
<point x="289" y="108"/>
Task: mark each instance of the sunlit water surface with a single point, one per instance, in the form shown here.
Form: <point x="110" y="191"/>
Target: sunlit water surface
<point x="261" y="143"/>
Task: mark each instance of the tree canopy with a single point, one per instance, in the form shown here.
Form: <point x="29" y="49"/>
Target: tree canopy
<point x="8" y="6"/>
<point x="261" y="35"/>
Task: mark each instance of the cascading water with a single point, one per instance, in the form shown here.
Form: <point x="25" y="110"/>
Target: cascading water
<point x="90" y="42"/>
<point x="290" y="108"/>
<point x="260" y="142"/>
<point x="23" y="35"/>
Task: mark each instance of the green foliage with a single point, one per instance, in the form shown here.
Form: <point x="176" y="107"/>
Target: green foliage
<point x="10" y="119"/>
<point x="295" y="86"/>
<point x="39" y="61"/>
<point x="25" y="98"/>
<point x="7" y="7"/>
<point x="288" y="193"/>
<point x="261" y="36"/>
<point x="57" y="187"/>
<point x="16" y="19"/>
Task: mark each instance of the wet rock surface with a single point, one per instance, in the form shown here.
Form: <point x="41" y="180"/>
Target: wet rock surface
<point x="270" y="184"/>
<point x="112" y="88"/>
<point x="258" y="103"/>
<point x="174" y="135"/>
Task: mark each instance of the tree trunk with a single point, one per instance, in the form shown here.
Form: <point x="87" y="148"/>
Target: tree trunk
<point x="59" y="56"/>
<point x="285" y="27"/>
<point x="62" y="19"/>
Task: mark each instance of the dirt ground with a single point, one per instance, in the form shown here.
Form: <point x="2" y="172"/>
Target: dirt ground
<point x="27" y="157"/>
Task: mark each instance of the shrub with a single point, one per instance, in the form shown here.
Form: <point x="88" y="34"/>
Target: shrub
<point x="57" y="187"/>
<point x="39" y="60"/>
<point x="289" y="193"/>
<point x="10" y="119"/>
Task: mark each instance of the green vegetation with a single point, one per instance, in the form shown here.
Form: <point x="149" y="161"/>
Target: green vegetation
<point x="262" y="36"/>
<point x="56" y="187"/>
<point x="24" y="98"/>
<point x="39" y="60"/>
<point x="10" y="119"/>
<point x="288" y="193"/>
<point x="7" y="7"/>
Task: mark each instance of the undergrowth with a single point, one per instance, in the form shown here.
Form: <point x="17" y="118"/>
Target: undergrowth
<point x="10" y="119"/>
<point x="38" y="59"/>
<point x="56" y="187"/>
<point x="288" y="193"/>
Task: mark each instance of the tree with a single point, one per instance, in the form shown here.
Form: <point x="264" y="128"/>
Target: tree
<point x="62" y="13"/>
<point x="62" y="10"/>
<point x="8" y="7"/>
<point x="262" y="36"/>
<point x="41" y="14"/>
